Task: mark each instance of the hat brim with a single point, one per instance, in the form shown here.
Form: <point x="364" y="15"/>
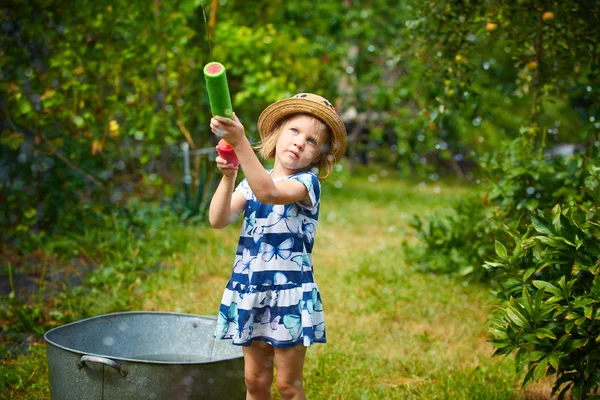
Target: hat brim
<point x="275" y="112"/>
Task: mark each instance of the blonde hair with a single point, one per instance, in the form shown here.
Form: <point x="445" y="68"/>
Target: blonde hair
<point x="324" y="162"/>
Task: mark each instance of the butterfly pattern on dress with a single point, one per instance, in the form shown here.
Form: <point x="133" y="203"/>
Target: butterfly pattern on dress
<point x="270" y="298"/>
<point x="244" y="333"/>
<point x="308" y="228"/>
<point x="281" y="303"/>
<point x="314" y="304"/>
<point x="287" y="213"/>
<point x="283" y="250"/>
<point x="250" y="222"/>
<point x="319" y="330"/>
<point x="225" y="321"/>
<point x="293" y="323"/>
<point x="266" y="318"/>
<point x="243" y="265"/>
<point x="302" y="261"/>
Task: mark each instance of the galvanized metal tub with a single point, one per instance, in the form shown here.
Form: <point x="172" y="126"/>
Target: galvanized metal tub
<point x="143" y="355"/>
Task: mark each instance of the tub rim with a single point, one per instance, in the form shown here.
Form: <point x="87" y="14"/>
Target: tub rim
<point x="133" y="360"/>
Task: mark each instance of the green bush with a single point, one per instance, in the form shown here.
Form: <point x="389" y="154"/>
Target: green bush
<point x="549" y="295"/>
<point x="455" y="241"/>
<point x="461" y="239"/>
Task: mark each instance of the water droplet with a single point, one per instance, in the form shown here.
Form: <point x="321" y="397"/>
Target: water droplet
<point x="481" y="139"/>
<point x="373" y="178"/>
<point x="471" y="37"/>
<point x="459" y="157"/>
<point x="339" y="167"/>
<point x="315" y="170"/>
<point x="530" y="190"/>
<point x="588" y="88"/>
<point x="22" y="157"/>
<point x="486" y="65"/>
<point x="371" y="48"/>
<point x="180" y="102"/>
<point x="437" y="190"/>
<point x="439" y="54"/>
<point x="338" y="184"/>
<point x="138" y="135"/>
<point x="108" y="341"/>
<point x="476" y="121"/>
<point x="592" y="119"/>
<point x="420" y="138"/>
<point x="349" y="70"/>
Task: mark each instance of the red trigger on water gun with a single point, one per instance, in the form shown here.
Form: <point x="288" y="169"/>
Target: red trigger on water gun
<point x="226" y="152"/>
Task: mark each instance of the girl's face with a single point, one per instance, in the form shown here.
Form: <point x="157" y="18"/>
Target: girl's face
<point x="299" y="144"/>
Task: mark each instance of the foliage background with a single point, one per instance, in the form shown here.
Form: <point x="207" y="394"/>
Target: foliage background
<point x="96" y="99"/>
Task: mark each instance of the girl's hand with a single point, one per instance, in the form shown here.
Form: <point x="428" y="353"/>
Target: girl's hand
<point x="232" y="131"/>
<point x="227" y="170"/>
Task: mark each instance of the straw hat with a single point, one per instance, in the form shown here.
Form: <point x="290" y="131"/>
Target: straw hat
<point x="306" y="103"/>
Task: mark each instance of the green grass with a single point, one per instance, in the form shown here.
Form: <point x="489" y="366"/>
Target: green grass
<point x="393" y="333"/>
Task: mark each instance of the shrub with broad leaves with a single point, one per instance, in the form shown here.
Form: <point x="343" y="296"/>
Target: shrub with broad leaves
<point x="549" y="295"/>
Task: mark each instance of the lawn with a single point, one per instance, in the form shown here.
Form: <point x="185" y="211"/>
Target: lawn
<point x="393" y="333"/>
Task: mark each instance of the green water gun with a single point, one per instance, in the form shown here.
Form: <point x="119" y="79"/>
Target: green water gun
<point x="220" y="104"/>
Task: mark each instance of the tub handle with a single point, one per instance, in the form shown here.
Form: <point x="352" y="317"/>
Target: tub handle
<point x="105" y="361"/>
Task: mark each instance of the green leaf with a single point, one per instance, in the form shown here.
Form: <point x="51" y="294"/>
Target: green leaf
<point x="540" y="369"/>
<point x="541" y="225"/>
<point x="544" y="333"/>
<point x="578" y="343"/>
<point x="501" y="250"/>
<point x="553" y="360"/>
<point x="526" y="301"/>
<point x="528" y="273"/>
<point x="547" y="286"/>
<point x="533" y="356"/>
<point x="516" y="317"/>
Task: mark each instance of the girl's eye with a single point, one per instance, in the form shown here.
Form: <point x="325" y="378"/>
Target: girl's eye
<point x="312" y="141"/>
<point x="294" y="130"/>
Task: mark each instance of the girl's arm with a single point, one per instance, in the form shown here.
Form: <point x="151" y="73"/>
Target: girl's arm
<point x="259" y="180"/>
<point x="226" y="204"/>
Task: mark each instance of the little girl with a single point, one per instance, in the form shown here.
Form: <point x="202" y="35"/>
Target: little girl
<point x="272" y="305"/>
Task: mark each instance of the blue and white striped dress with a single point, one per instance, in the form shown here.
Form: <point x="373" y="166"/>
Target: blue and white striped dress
<point x="272" y="295"/>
